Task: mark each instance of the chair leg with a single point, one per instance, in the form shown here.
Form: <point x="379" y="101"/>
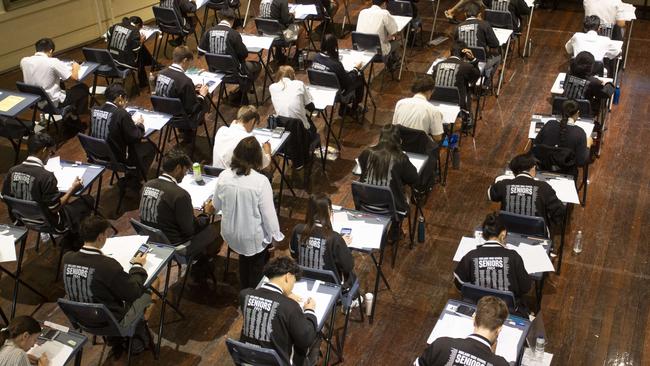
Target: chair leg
<point x="38" y="241"/>
<point x="187" y="274"/>
<point x="101" y="355"/>
<point x="120" y="199"/>
<point x="128" y="352"/>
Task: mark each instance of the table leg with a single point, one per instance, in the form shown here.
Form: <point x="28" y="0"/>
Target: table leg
<point x="435" y="18"/>
<point x="405" y="43"/>
<point x="78" y="357"/>
<point x="562" y="239"/>
<point x="585" y="183"/>
<point x="248" y="6"/>
<point x="163" y="299"/>
<point x="530" y="21"/>
<point x="379" y="275"/>
<point x="627" y="47"/>
<point x="19" y="264"/>
<point x="503" y="69"/>
<point x="539" y="288"/>
<point x="346" y="16"/>
<point x="329" y="336"/>
<point x="367" y="83"/>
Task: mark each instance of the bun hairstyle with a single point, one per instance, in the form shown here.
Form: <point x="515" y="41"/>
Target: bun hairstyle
<point x="18" y="326"/>
<point x="492" y="226"/>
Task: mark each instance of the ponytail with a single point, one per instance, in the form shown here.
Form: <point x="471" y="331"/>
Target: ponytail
<point x="18" y="326"/>
<point x="492" y="226"/>
<point x="569" y="109"/>
<point x="4" y="336"/>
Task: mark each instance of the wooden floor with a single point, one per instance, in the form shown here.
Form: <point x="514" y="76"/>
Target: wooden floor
<point x="596" y="312"/>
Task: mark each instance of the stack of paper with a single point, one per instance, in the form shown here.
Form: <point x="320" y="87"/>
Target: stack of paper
<point x="57" y="352"/>
<point x="199" y="193"/>
<point x="7" y="248"/>
<point x="364" y="235"/>
<point x="322" y="97"/>
<point x="9" y="102"/>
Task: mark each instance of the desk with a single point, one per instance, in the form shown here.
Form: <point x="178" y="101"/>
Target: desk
<point x="18" y="235"/>
<point x="13" y="103"/>
<point x="403" y="22"/>
<point x="349" y="58"/>
<point x="504" y="36"/>
<point x="154" y="121"/>
<point x="213" y="81"/>
<point x="62" y="348"/>
<point x="449" y="114"/>
<point x="66" y="171"/>
<point x="257" y="45"/>
<point x="558" y="84"/>
<point x="277" y="143"/>
<point x="322" y="98"/>
<point x="511" y="339"/>
<point x="375" y="225"/>
<point x="418" y="161"/>
<point x="86" y="68"/>
<point x="199" y="193"/>
<point x="306" y="14"/>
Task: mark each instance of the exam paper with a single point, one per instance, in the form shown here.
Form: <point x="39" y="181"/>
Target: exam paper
<point x="57" y="352"/>
<point x="466" y="245"/>
<point x="565" y="189"/>
<point x="257" y="42"/>
<point x="264" y="136"/>
<point x="7" y="249"/>
<point x="199" y="194"/>
<point x="321" y="299"/>
<point x="417" y="161"/>
<point x="302" y="11"/>
<point x="364" y="235"/>
<point x="350" y="58"/>
<point x="449" y="111"/>
<point x="322" y="97"/>
<point x="534" y="256"/>
<point x="123" y="248"/>
<point x="9" y="102"/>
<point x="66" y="176"/>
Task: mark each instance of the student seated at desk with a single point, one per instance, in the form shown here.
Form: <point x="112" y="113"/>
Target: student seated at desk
<point x="279" y="10"/>
<point x="328" y="60"/>
<point x="459" y="7"/>
<point x="17" y="338"/>
<point x="600" y="46"/>
<point x="166" y="206"/>
<point x="173" y="83"/>
<point x="479" y="347"/>
<point x="249" y="223"/>
<point x="113" y="124"/>
<point x="274" y="319"/>
<point x="492" y="265"/>
<point x="315" y="245"/>
<point x="476" y="32"/>
<point x="228" y="137"/>
<point x="291" y="98"/>
<point x="375" y="20"/>
<point x="610" y="12"/>
<point x="461" y="70"/>
<point x="385" y="164"/>
<point x="92" y="277"/>
<point x="186" y="12"/>
<point x="124" y="43"/>
<point x="417" y="113"/>
<point x="565" y="134"/>
<point x="223" y="40"/>
<point x="517" y="8"/>
<point x="48" y="72"/>
<point x="524" y="195"/>
<point x="30" y="181"/>
<point x="583" y="66"/>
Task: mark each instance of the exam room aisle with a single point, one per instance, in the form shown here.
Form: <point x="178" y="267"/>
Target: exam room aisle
<point x="595" y="312"/>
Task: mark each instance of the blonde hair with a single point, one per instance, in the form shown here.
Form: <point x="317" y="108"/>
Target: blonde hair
<point x="247" y="113"/>
<point x="285" y="72"/>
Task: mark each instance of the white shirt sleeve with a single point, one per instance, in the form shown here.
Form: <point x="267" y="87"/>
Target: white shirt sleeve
<point x="270" y="222"/>
<point x="569" y="45"/>
<point x="61" y="69"/>
<point x="216" y="201"/>
<point x="390" y="24"/>
<point x="436" y="124"/>
<point x="306" y="95"/>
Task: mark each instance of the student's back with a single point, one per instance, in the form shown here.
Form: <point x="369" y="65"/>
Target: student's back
<point x="473" y="350"/>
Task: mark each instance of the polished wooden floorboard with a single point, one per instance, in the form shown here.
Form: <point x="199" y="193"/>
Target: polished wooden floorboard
<point x="596" y="312"/>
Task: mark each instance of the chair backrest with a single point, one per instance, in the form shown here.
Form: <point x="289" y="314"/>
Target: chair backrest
<point x="168" y="21"/>
<point x="473" y="293"/>
<point x="374" y="199"/>
<point x="479" y="53"/>
<point x="155" y="235"/>
<point x="523" y="224"/>
<point x="412" y="140"/>
<point x="212" y="170"/>
<point x="32" y="214"/>
<point x="498" y="18"/>
<point x="399" y="7"/>
<point x="95" y="319"/>
<point x="606" y="30"/>
<point x="249" y="354"/>
<point x="324" y="275"/>
<point x="574" y="87"/>
<point x="98" y="152"/>
<point x="223" y="64"/>
<point x="174" y="107"/>
<point x="446" y="94"/>
<point x="366" y="42"/>
<point x="500" y="5"/>
<point x="583" y="104"/>
<point x="555" y="158"/>
<point x="37" y="90"/>
<point x="103" y="57"/>
<point x="323" y="78"/>
<point x="270" y="27"/>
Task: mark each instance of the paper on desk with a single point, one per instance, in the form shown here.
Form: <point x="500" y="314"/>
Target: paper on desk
<point x="503" y="35"/>
<point x="152" y="121"/>
<point x="364" y="235"/>
<point x="417" y="161"/>
<point x="264" y="136"/>
<point x="210" y="79"/>
<point x="302" y="11"/>
<point x="465" y="246"/>
<point x="82" y="71"/>
<point x="449" y="111"/>
<point x="200" y="3"/>
<point x="253" y="42"/>
<point x="322" y="97"/>
<point x="626" y="12"/>
<point x="321" y="299"/>
<point x="53" y="164"/>
<point x="565" y="189"/>
<point x="350" y="58"/>
<point x="199" y="194"/>
<point x="401" y="21"/>
<point x="66" y="176"/>
<point x="147" y="32"/>
<point x="7" y="249"/>
<point x="534" y="256"/>
<point x="57" y="352"/>
<point x="123" y="248"/>
<point x="9" y="102"/>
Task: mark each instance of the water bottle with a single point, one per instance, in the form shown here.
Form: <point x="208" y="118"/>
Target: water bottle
<point x="196" y="168"/>
<point x="617" y="93"/>
<point x="577" y="244"/>
<point x="152" y="83"/>
<point x="455" y="158"/>
<point x="369" y="300"/>
<point x="421" y="229"/>
<point x="301" y="60"/>
<point x="539" y="348"/>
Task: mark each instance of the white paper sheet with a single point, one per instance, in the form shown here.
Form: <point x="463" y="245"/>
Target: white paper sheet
<point x="210" y="79"/>
<point x="465" y="246"/>
<point x="503" y="35"/>
<point x="302" y="11"/>
<point x="565" y="189"/>
<point x="264" y="136"/>
<point x="147" y="32"/>
<point x="350" y="58"/>
<point x="82" y="71"/>
<point x="534" y="256"/>
<point x="417" y="161"/>
<point x="401" y="21"/>
<point x="364" y="235"/>
<point x="53" y="164"/>
<point x="7" y="248"/>
<point x="626" y="12"/>
<point x="199" y="194"/>
<point x="253" y="42"/>
<point x="152" y="121"/>
<point x="123" y="248"/>
<point x="322" y="97"/>
<point x="200" y="3"/>
<point x="57" y="352"/>
<point x="66" y="176"/>
<point x="321" y="299"/>
<point x="449" y="111"/>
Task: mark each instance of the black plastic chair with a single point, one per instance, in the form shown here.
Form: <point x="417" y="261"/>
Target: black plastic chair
<point x="107" y="69"/>
<point x="500" y="5"/>
<point x="249" y="354"/>
<point x="271" y="27"/>
<point x="473" y="293"/>
<point x="524" y="225"/>
<point x="379" y="200"/>
<point x="45" y="105"/>
<point x="499" y="18"/>
<point x="212" y="170"/>
<point x="446" y="94"/>
<point x="583" y="104"/>
<point x="216" y="6"/>
<point x="169" y="23"/>
<point x="36" y="217"/>
<point x="405" y="8"/>
<point x="97" y="320"/>
<point x="368" y="42"/>
<point x="234" y="74"/>
<point x="555" y="159"/>
<point x="14" y="129"/>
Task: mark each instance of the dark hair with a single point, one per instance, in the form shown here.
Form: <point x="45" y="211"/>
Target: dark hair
<point x="318" y="209"/>
<point x="379" y="160"/>
<point x="492" y="226"/>
<point x="181" y="53"/>
<point x="18" y="326"/>
<point x="582" y="65"/>
<point x="592" y="23"/>
<point x="281" y="266"/>
<point x="39" y="141"/>
<point x="491" y="313"/>
<point x="330" y="46"/>
<point x="569" y="108"/>
<point x="174" y="158"/>
<point x="114" y="91"/>
<point x="246" y="156"/>
<point x="136" y="20"/>
<point x="44" y="45"/>
<point x="91" y="227"/>
<point x="377" y="2"/>
<point x="421" y="85"/>
<point x="227" y="14"/>
<point x="522" y="163"/>
<point x="457" y="48"/>
<point x="472" y="9"/>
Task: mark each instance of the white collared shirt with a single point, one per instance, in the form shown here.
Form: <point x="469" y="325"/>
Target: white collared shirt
<point x="46" y="72"/>
<point x="375" y="20"/>
<point x="599" y="46"/>
<point x="609" y="11"/>
<point x="177" y="67"/>
<point x="168" y="178"/>
<point x="32" y="160"/>
<point x="417" y="113"/>
<point x="289" y="99"/>
<point x="225" y="142"/>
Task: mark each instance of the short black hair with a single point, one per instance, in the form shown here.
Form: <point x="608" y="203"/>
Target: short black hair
<point x="114" y="91"/>
<point x="522" y="163"/>
<point x="228" y="14"/>
<point x="280" y="266"/>
<point x="457" y="48"/>
<point x="174" y="158"/>
<point x="592" y="23"/>
<point x="582" y="65"/>
<point x="569" y="108"/>
<point x="492" y="226"/>
<point x="181" y="53"/>
<point x="136" y="20"/>
<point x="38" y="142"/>
<point x="91" y="227"/>
<point x="422" y="85"/>
<point x="472" y="9"/>
<point x="377" y="2"/>
<point x="44" y="45"/>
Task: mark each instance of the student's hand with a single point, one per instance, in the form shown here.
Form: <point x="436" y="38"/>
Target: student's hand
<point x="33" y="360"/>
<point x="468" y="53"/>
<point x="347" y="238"/>
<point x="75" y="67"/>
<point x="140" y="258"/>
<point x="359" y="65"/>
<point x="266" y="147"/>
<point x="43" y="361"/>
<point x="77" y="184"/>
<point x="310" y="304"/>
<point x="208" y="208"/>
<point x="139" y="120"/>
<point x="590" y="141"/>
<point x="295" y="298"/>
<point x="203" y="90"/>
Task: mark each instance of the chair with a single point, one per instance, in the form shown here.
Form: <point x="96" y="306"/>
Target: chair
<point x="379" y="200"/>
<point x="14" y="129"/>
<point x="473" y="293"/>
<point x="606" y="30"/>
<point x="271" y="27"/>
<point x="38" y="218"/>
<point x="170" y="24"/>
<point x="583" y="104"/>
<point x="250" y="354"/>
<point x="212" y="170"/>
<point x="524" y="225"/>
<point x="45" y="105"/>
<point x="555" y="159"/>
<point x="107" y="69"/>
<point x="98" y="152"/>
<point x="500" y="5"/>
<point x="405" y="8"/>
<point x="215" y="6"/>
<point x="446" y="94"/>
<point x="97" y="320"/>
<point x="419" y="142"/>
<point x="503" y="19"/>
<point x="234" y="74"/>
<point x="574" y="87"/>
<point x="181" y="119"/>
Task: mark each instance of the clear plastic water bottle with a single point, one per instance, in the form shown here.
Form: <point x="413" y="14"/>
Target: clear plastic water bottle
<point x="539" y="348"/>
<point x="301" y="60"/>
<point x="577" y="244"/>
<point x="152" y="83"/>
